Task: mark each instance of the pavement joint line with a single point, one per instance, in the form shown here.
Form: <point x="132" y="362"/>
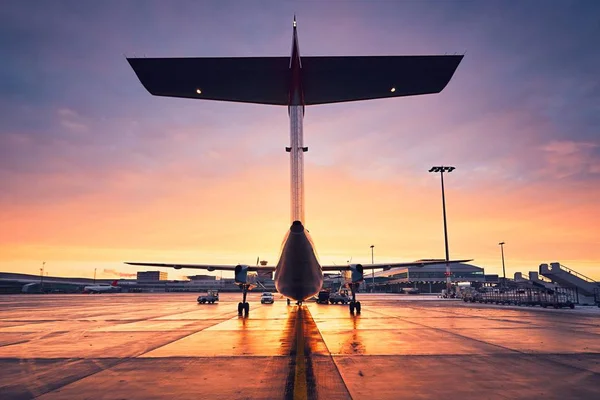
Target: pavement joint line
<point x="450" y="332"/>
<point x="120" y="361"/>
<point x="330" y="356"/>
<point x="117" y="362"/>
<point x="542" y="356"/>
<point x="530" y="324"/>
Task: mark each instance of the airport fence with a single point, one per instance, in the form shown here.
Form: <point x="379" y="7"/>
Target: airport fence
<point x="558" y="298"/>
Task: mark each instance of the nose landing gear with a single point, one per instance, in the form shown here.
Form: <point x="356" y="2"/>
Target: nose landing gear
<point x="244" y="307"/>
<point x="354" y="305"/>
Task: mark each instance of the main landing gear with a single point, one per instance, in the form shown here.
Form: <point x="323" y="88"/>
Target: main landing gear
<point x="244" y="307"/>
<point x="354" y="305"/>
<point x="298" y="303"/>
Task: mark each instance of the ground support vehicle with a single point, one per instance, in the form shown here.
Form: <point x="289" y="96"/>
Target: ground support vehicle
<point x="267" y="298"/>
<point x="340" y="297"/>
<point x="323" y="297"/>
<point x="211" y="297"/>
<point x="558" y="298"/>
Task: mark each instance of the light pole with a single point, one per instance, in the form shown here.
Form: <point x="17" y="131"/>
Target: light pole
<point x="503" y="269"/>
<point x="441" y="169"/>
<point x="94" y="276"/>
<point x="372" y="270"/>
<point x="42" y="273"/>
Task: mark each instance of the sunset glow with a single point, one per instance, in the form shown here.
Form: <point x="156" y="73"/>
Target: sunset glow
<point x="95" y="171"/>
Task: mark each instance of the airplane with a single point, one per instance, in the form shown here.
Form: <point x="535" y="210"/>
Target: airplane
<point x="112" y="288"/>
<point x="295" y="82"/>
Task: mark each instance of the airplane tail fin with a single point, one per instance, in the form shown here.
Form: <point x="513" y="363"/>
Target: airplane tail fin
<point x="114" y="283"/>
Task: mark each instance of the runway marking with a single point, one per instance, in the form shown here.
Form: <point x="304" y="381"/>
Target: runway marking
<point x="311" y="377"/>
<point x="300" y="383"/>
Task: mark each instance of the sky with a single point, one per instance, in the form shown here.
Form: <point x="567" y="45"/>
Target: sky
<point x="95" y="171"/>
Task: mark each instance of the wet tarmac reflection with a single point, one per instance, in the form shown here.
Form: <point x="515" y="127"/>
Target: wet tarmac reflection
<point x="153" y="346"/>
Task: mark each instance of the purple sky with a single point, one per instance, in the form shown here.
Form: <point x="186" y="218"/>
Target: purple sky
<point x="520" y="119"/>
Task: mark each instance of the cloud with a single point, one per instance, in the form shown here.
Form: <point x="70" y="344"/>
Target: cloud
<point x="567" y="158"/>
<point x="72" y="121"/>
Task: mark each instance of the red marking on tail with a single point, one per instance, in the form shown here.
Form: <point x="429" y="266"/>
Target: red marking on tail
<point x="114" y="283"/>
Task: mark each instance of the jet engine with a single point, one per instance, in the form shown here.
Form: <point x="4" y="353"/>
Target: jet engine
<point x="241" y="274"/>
<point x="357" y="275"/>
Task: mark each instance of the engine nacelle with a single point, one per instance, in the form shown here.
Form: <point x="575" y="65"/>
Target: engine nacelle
<point x="357" y="274"/>
<point x="241" y="274"/>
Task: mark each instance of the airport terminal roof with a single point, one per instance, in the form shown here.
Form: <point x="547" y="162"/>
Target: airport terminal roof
<point x="461" y="267"/>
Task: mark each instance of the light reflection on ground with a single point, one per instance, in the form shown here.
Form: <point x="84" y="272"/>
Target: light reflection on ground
<point x="167" y="346"/>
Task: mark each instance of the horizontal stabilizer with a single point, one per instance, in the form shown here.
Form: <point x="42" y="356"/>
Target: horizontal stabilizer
<point x="263" y="80"/>
<point x="339" y="79"/>
<point x="267" y="80"/>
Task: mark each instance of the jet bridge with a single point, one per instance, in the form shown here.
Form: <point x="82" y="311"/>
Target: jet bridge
<point x="566" y="277"/>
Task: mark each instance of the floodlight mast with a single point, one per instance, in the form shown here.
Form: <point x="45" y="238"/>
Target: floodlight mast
<point x="441" y="169"/>
<point x="373" y="270"/>
<point x="501" y="244"/>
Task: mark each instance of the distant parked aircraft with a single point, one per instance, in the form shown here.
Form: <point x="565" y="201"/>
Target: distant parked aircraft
<point x="112" y="288"/>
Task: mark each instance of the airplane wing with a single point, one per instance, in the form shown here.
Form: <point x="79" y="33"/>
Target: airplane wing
<point x="391" y="265"/>
<point x="266" y="80"/>
<point x="208" y="267"/>
<point x="339" y="79"/>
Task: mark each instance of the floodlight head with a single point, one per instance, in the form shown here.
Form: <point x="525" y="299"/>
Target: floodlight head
<point x="501" y="243"/>
<point x="441" y="168"/>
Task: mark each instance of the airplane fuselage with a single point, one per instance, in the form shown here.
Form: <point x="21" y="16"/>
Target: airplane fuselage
<point x="298" y="274"/>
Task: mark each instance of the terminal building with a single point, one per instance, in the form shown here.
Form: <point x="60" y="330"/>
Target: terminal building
<point x="427" y="279"/>
<point x="152" y="276"/>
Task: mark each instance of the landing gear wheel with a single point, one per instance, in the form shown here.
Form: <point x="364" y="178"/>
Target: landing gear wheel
<point x="299" y="303"/>
<point x="357" y="306"/>
<point x="288" y="301"/>
<point x="246" y="308"/>
<point x="240" y="308"/>
<point x="352" y="307"/>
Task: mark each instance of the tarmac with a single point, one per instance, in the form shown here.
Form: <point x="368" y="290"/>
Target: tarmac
<point x="155" y="346"/>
